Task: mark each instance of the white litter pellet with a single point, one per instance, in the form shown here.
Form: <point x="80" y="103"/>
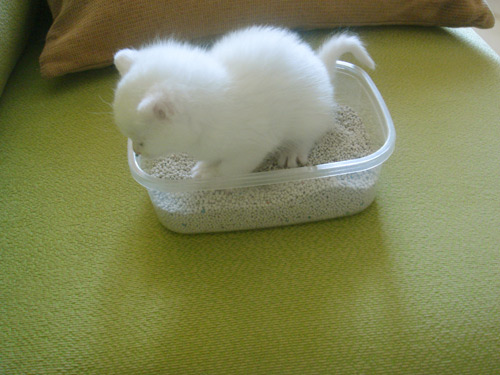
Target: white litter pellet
<point x="277" y="204"/>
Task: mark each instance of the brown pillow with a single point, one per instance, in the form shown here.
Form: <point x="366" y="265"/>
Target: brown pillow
<point x="86" y="33"/>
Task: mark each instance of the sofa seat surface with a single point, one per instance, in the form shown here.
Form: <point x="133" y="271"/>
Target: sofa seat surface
<point x="91" y="283"/>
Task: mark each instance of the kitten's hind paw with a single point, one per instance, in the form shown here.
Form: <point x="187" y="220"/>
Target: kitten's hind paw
<point x="292" y="159"/>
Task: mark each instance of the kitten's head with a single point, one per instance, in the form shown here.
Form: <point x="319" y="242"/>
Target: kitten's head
<point x="162" y="95"/>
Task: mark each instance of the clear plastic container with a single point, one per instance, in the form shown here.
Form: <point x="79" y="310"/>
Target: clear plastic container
<point x="281" y="197"/>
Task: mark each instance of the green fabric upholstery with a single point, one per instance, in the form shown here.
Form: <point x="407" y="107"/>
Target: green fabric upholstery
<point x="91" y="283"/>
<point x="16" y="18"/>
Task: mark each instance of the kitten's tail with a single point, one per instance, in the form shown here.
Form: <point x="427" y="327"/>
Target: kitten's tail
<point x="340" y="44"/>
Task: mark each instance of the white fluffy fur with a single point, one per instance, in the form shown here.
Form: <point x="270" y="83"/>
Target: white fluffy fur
<point x="255" y="90"/>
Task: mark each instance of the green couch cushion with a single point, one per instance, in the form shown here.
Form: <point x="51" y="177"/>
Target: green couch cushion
<point x="16" y="18"/>
<point x="91" y="283"/>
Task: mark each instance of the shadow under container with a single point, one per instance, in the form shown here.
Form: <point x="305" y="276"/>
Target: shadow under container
<point x="281" y="197"/>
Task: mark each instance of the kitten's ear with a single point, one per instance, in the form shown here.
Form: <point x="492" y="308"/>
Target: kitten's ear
<point x="124" y="60"/>
<point x="157" y="105"/>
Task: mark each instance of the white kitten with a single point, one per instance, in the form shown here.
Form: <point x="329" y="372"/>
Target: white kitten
<point x="255" y="90"/>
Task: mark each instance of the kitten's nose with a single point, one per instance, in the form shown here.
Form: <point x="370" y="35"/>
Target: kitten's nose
<point x="136" y="148"/>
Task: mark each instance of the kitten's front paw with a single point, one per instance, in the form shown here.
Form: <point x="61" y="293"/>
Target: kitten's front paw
<point x="204" y="170"/>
